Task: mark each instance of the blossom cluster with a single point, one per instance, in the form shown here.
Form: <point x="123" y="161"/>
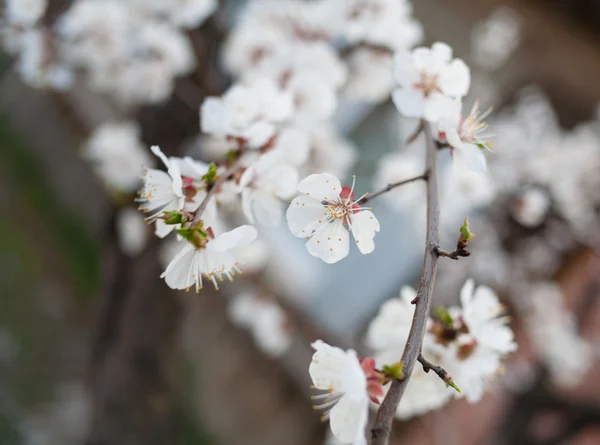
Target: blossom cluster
<point x="467" y="342"/>
<point x="131" y="49"/>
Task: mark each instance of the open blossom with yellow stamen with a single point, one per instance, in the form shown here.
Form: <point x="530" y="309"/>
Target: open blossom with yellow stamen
<point x="325" y="213"/>
<point x="211" y="258"/>
<point x="467" y="136"/>
<point x="350" y="384"/>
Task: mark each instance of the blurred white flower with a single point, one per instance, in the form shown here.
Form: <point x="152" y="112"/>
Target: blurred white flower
<point x="37" y="63"/>
<point x="24" y="12"/>
<point x="118" y="155"/>
<point x="263" y="187"/>
<point x="370" y="75"/>
<point x="531" y="207"/>
<point x="212" y="259"/>
<point x="184" y="13"/>
<point x="395" y="167"/>
<point x="495" y="39"/>
<point x="331" y="152"/>
<point x="162" y="191"/>
<point x="386" y="23"/>
<point x="321" y="214"/>
<point x="554" y="333"/>
<point x="428" y="81"/>
<point x="247" y="112"/>
<point x="132" y="231"/>
<point x="346" y="402"/>
<point x="265" y="319"/>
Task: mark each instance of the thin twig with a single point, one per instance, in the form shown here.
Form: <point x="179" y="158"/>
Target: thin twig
<point x="392" y="186"/>
<point x="382" y="427"/>
<point x="413" y="137"/>
<point x="441" y="372"/>
<point x="454" y="255"/>
<point x="211" y="192"/>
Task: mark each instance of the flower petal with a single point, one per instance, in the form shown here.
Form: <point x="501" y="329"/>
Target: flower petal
<point x="405" y="71"/>
<point x="455" y="78"/>
<point x="466" y="293"/>
<point x="348" y="418"/>
<point x="178" y="274"/>
<point x="364" y="227"/>
<point x="471" y="157"/>
<point x="330" y="243"/>
<point x="409" y="101"/>
<point x="304" y="215"/>
<point x="238" y="237"/>
<point x="321" y="186"/>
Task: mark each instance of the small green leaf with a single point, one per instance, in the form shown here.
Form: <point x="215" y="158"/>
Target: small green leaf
<point x="211" y="175"/>
<point x="231" y="155"/>
<point x="174" y="217"/>
<point x="465" y="231"/>
<point x="394" y="370"/>
<point x="442" y="314"/>
<point x="451" y="383"/>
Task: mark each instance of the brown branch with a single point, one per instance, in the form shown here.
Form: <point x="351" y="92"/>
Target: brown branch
<point x="454" y="255"/>
<point x="382" y="427"/>
<point x="392" y="186"/>
<point x="441" y="372"/>
<point x="413" y="137"/>
<point x="211" y="192"/>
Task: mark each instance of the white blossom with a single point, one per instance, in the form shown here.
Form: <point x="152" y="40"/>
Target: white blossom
<point x="118" y="155"/>
<point x="531" y="207"/>
<point x="370" y="75"/>
<point x="428" y="81"/>
<point x="379" y="22"/>
<point x="263" y="185"/>
<point x="183" y="13"/>
<point x="325" y="212"/>
<point x="24" y="12"/>
<point x="387" y="335"/>
<point x="496" y="39"/>
<point x="37" y="64"/>
<point x="162" y="191"/>
<point x="265" y="319"/>
<point x="466" y="136"/>
<point x="213" y="260"/>
<point x="247" y="112"/>
<point x="132" y="231"/>
<point x="347" y="400"/>
<point x="331" y="152"/>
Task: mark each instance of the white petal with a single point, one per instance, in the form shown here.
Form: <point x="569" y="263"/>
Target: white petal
<point x="466" y="293"/>
<point x="442" y="51"/>
<point x="327" y="365"/>
<point x="259" y="133"/>
<point x="238" y="237"/>
<point x="439" y="107"/>
<point x="247" y="204"/>
<point x="247" y="177"/>
<point x="321" y="186"/>
<point x="409" y="101"/>
<point x="267" y="207"/>
<point x="405" y="71"/>
<point x="158" y="152"/>
<point x="284" y="180"/>
<point x="331" y="243"/>
<point x="175" y="174"/>
<point x="162" y="229"/>
<point x="364" y="227"/>
<point x="304" y="215"/>
<point x="455" y="79"/>
<point x="179" y="274"/>
<point x="348" y="418"/>
<point x="470" y="156"/>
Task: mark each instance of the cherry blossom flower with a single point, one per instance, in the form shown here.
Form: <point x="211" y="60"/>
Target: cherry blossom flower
<point x="531" y="207"/>
<point x="132" y="231"/>
<point x="118" y="155"/>
<point x="265" y="319"/>
<point x="483" y="315"/>
<point x="24" y="12"/>
<point x="387" y="335"/>
<point x="346" y="402"/>
<point x="429" y="79"/>
<point x="247" y="112"/>
<point x="263" y="185"/>
<point x="211" y="258"/>
<point x="162" y="192"/>
<point x="183" y="13"/>
<point x="466" y="136"/>
<point x="325" y="213"/>
<point x="370" y="78"/>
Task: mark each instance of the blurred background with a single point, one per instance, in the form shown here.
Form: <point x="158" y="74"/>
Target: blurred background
<point x="95" y="349"/>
